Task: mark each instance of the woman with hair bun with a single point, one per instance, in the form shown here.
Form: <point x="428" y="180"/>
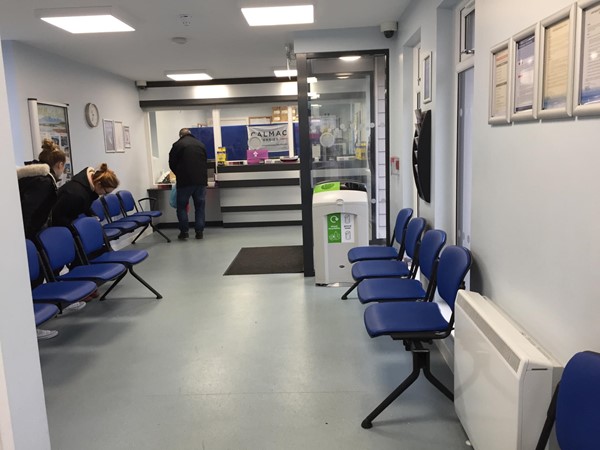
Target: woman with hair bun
<point x="76" y="196"/>
<point x="37" y="186"/>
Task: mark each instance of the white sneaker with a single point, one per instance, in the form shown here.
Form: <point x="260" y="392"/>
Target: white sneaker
<point x="74" y="307"/>
<point x="46" y="334"/>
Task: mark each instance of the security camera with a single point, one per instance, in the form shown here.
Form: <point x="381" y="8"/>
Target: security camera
<point x="140" y="84"/>
<point x="388" y="29"/>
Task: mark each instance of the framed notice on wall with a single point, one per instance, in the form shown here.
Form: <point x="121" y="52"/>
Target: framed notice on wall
<point x="586" y="98"/>
<point x="51" y="120"/>
<point x="524" y="75"/>
<point x="500" y="65"/>
<point x="557" y="42"/>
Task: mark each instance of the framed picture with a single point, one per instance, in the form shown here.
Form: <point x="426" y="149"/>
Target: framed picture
<point x="500" y="85"/>
<point x="109" y="135"/>
<point x="586" y="96"/>
<point x="427" y="82"/>
<point x="119" y="141"/>
<point x="523" y="104"/>
<point x="51" y="120"/>
<point x="126" y="137"/>
<point x="557" y="42"/>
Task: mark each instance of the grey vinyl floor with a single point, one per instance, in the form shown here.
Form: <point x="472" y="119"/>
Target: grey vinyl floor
<point x="235" y="362"/>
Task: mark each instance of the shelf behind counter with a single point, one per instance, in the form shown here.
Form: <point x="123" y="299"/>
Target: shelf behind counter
<point x="244" y="195"/>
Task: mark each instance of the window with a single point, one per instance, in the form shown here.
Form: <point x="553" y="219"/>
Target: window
<point x="467" y="32"/>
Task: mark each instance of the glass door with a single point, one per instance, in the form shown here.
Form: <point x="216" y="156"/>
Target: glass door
<point x="343" y="130"/>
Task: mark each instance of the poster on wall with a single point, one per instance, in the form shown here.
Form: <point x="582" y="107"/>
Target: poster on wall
<point x="271" y="137"/>
<point x="499" y="83"/>
<point x="587" y="65"/>
<point x="557" y="39"/>
<point x="524" y="99"/>
<point x="51" y="120"/>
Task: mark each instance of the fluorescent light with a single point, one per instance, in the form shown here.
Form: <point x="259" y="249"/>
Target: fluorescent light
<point x="286" y="73"/>
<point x="84" y="20"/>
<point x="349" y="58"/>
<point x="311" y="80"/>
<point x="279" y="15"/>
<point x="188" y="75"/>
<point x="343" y="77"/>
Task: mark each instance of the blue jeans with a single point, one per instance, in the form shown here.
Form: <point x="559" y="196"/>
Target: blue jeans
<point x="198" y="194"/>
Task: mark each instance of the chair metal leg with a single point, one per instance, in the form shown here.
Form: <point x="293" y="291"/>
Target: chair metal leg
<point x="420" y="362"/>
<point x="159" y="232"/>
<point x="345" y="296"/>
<point x="140" y="233"/>
<point x="141" y="280"/>
<point x="113" y="285"/>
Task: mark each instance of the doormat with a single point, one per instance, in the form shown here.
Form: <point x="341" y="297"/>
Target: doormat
<point x="264" y="260"/>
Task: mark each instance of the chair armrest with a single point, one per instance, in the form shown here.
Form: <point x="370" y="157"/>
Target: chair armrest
<point x="151" y="200"/>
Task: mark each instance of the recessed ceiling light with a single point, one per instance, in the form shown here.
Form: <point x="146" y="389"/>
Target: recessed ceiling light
<point x="279" y="15"/>
<point x="311" y="80"/>
<point x="349" y="58"/>
<point x="286" y="73"/>
<point x="188" y="75"/>
<point x="343" y="77"/>
<point x="84" y="20"/>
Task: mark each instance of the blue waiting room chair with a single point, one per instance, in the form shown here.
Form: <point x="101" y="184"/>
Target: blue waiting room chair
<point x="59" y="252"/>
<point x="112" y="230"/>
<point x="96" y="250"/>
<point x="369" y="252"/>
<point x="130" y="209"/>
<point x="575" y="406"/>
<point x="43" y="312"/>
<point x="400" y="289"/>
<point x="362" y="270"/>
<point x="419" y="323"/>
<point x="58" y="293"/>
<point x="115" y="214"/>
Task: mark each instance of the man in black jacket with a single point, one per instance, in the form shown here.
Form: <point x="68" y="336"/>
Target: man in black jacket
<point x="187" y="160"/>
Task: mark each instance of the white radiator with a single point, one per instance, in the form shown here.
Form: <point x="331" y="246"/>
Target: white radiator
<point x="503" y="383"/>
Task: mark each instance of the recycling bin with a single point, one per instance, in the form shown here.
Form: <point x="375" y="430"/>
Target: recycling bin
<point x="340" y="222"/>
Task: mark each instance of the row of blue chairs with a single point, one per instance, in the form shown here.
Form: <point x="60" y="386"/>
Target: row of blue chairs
<point x="401" y="306"/>
<point x="404" y="310"/>
<point x="68" y="265"/>
<point x="119" y="215"/>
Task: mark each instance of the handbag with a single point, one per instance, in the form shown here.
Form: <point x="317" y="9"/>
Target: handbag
<point x="173" y="197"/>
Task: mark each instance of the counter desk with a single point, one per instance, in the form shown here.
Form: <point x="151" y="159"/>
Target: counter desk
<point x="260" y="194"/>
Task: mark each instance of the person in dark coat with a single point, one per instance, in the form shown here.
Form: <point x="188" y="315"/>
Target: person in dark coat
<point x="187" y="160"/>
<point x="37" y="187"/>
<point x="76" y="196"/>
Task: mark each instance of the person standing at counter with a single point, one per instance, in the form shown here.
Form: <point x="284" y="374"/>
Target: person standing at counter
<point x="187" y="160"/>
<point x="76" y="196"/>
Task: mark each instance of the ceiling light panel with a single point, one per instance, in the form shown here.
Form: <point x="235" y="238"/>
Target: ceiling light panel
<point x="279" y="15"/>
<point x="286" y="73"/>
<point x="196" y="75"/>
<point x="85" y="20"/>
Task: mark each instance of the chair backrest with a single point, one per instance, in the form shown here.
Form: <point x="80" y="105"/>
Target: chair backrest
<point x="90" y="234"/>
<point x="98" y="210"/>
<point x="414" y="230"/>
<point x="453" y="266"/>
<point x="429" y="252"/>
<point x="402" y="219"/>
<point x="59" y="247"/>
<point x="113" y="206"/>
<point x="127" y="201"/>
<point x="578" y="403"/>
<point x="33" y="260"/>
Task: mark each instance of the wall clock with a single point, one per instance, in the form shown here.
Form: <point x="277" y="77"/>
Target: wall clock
<point x="92" y="117"/>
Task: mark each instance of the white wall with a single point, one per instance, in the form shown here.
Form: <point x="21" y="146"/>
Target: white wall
<point x="23" y="415"/>
<point x="535" y="187"/>
<point x="32" y="73"/>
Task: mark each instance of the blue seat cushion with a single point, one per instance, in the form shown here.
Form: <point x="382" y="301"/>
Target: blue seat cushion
<point x="121" y="225"/>
<point x="386" y="289"/>
<point x="112" y="233"/>
<point x="127" y="257"/>
<point x="394" y="318"/>
<point x="379" y="269"/>
<point x="63" y="291"/>
<point x="44" y="312"/>
<point x="371" y="252"/>
<point x="142" y="219"/>
<point x="147" y="213"/>
<point x="101" y="272"/>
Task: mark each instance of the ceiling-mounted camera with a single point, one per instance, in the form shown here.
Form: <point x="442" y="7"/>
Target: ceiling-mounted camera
<point x="388" y="29"/>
